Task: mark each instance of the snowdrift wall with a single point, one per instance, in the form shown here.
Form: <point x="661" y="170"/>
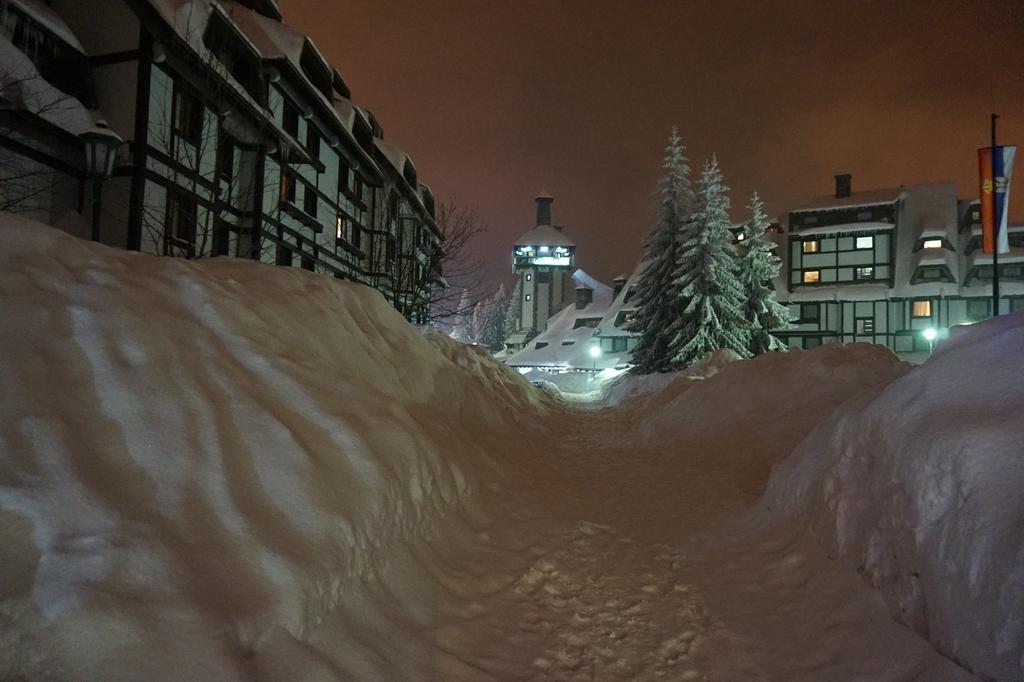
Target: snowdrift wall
<point x="920" y="482"/>
<point x="196" y="457"/>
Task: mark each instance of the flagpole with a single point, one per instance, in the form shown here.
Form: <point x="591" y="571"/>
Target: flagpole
<point x="995" y="252"/>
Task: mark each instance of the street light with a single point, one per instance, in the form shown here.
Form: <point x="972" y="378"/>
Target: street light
<point x="101" y="145"/>
<point x="929" y="335"/>
<point x="595" y="352"/>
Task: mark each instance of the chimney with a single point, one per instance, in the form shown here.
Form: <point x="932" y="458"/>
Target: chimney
<point x="544" y="201"/>
<point x="584" y="296"/>
<point x="617" y="284"/>
<point x="844" y="182"/>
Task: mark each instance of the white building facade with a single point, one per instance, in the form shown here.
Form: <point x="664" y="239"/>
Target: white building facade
<point x="241" y="140"/>
<point x="884" y="266"/>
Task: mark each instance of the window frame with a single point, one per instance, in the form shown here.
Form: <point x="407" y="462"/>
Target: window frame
<point x="918" y="316"/>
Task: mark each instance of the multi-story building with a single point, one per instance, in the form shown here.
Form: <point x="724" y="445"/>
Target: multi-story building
<point x="242" y="140"/>
<point x="543" y="257"/>
<point x="883" y="266"/>
<point x="46" y="102"/>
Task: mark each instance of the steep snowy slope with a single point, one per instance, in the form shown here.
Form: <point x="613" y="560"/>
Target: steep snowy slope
<point x="199" y="456"/>
<point x="921" y="483"/>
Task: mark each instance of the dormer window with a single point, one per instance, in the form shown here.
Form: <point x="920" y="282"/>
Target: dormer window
<point x="932" y="244"/>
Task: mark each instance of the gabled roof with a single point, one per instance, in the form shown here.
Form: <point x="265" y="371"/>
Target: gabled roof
<point x="568" y="346"/>
<point x="869" y="198"/>
<point x="544" y="235"/>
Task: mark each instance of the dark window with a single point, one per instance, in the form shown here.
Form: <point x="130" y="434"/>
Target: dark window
<point x="357" y="187"/>
<point x="568" y="343"/>
<point x="541" y="344"/>
<point x="1016" y="305"/>
<point x="811" y="342"/>
<point x="343" y="174"/>
<point x="591" y="322"/>
<point x="181" y="223"/>
<point x="307" y="262"/>
<point x="1011" y="271"/>
<point x="313" y="142"/>
<point x="979" y="309"/>
<point x="864" y="215"/>
<point x="290" y="118"/>
<point x="618" y="344"/>
<point x="187" y="119"/>
<point x="309" y="200"/>
<point x="357" y="235"/>
<point x="389" y="253"/>
<point x="810" y="312"/>
<point x="226" y="157"/>
<point x="221" y="238"/>
<point x="283" y="255"/>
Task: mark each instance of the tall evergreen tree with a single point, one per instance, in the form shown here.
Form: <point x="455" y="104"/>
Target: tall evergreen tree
<point x="657" y="295"/>
<point x="492" y="323"/>
<point x="758" y="267"/>
<point x="706" y="279"/>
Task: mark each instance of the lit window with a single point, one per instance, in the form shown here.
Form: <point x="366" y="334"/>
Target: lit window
<point x="864" y="325"/>
<point x="740" y="237"/>
<point x="864" y="273"/>
<point x="811" y="247"/>
<point x="865" y="242"/>
<point x="529" y="297"/>
<point x="339" y="224"/>
<point x="529" y="278"/>
<point x="922" y="309"/>
<point x="932" y="244"/>
<point x="812" y="276"/>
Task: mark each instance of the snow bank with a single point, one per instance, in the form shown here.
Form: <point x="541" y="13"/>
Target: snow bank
<point x="920" y="483"/>
<point x="198" y="457"/>
<point x="630" y="386"/>
<point x="765" y="406"/>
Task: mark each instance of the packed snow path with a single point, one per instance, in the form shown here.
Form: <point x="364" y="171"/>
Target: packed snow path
<point x="599" y="559"/>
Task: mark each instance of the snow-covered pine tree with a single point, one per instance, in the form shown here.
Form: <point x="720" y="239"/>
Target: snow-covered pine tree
<point x="491" y="333"/>
<point x="758" y="267"/>
<point x="513" y="312"/>
<point x="706" y="278"/>
<point x="657" y="296"/>
<point x="462" y="319"/>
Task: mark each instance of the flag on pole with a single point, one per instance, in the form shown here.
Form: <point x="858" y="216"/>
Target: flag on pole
<point x="995" y="167"/>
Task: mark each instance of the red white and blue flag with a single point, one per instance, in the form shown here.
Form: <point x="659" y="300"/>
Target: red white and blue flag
<point x="995" y="166"/>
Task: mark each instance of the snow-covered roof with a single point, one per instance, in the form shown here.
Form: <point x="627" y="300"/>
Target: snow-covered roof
<point x="868" y="198"/>
<point x="544" y="235"/>
<point x="396" y="156"/>
<point x="50" y="19"/>
<point x="865" y="226"/>
<point x="22" y="87"/>
<point x="568" y="346"/>
<point x="607" y="326"/>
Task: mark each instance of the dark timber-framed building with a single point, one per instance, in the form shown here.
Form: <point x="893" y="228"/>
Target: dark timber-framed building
<point x="241" y="140"/>
<point x="882" y="266"/>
